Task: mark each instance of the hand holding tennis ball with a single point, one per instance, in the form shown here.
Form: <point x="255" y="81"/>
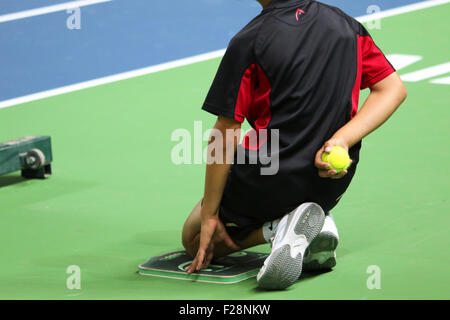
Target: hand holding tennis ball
<point x="338" y="159"/>
<point x="332" y="159"/>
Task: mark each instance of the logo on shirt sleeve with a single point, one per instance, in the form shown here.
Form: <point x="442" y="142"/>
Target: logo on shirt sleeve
<point x="299" y="13"/>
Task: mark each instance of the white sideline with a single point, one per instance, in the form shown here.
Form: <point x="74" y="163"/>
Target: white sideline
<point x="190" y="60"/>
<point x="49" y="9"/>
<point x="400" y="61"/>
<point x="401" y="10"/>
<point x="113" y="78"/>
<point x="445" y="80"/>
<point x="427" y="73"/>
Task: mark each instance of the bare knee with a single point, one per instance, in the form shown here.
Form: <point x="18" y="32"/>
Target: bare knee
<point x="190" y="237"/>
<point x="187" y="237"/>
<point x="191" y="244"/>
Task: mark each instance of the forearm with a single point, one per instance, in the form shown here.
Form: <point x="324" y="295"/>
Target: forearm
<point x="221" y="149"/>
<point x="382" y="102"/>
<point x="215" y="179"/>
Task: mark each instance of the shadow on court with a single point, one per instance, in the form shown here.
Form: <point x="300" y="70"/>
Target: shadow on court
<point x="7" y="181"/>
<point x="307" y="275"/>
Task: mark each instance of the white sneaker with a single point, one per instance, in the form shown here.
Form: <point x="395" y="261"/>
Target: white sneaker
<point x="294" y="234"/>
<point x="321" y="254"/>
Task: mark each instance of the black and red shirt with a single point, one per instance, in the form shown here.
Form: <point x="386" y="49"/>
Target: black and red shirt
<point x="297" y="67"/>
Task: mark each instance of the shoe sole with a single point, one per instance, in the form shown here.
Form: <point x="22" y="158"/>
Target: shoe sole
<point x="281" y="269"/>
<point x="316" y="265"/>
<point x="325" y="241"/>
<point x="323" y="246"/>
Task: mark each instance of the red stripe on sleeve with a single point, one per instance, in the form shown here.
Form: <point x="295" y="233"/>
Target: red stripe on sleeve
<point x="357" y="86"/>
<point x="372" y="68"/>
<point x="245" y="95"/>
<point x="254" y="104"/>
<point x="375" y="66"/>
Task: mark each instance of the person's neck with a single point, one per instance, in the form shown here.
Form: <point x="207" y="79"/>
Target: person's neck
<point x="264" y="3"/>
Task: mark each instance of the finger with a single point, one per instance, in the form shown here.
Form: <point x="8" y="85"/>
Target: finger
<point x="340" y="175"/>
<point x="328" y="146"/>
<point x="208" y="260"/>
<point x="197" y="261"/>
<point x="209" y="254"/>
<point x="327" y="173"/>
<point x="200" y="260"/>
<point x="191" y="268"/>
<point x="322" y="165"/>
<point x="318" y="160"/>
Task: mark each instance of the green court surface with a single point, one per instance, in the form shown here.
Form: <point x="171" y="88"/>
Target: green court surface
<point x="116" y="199"/>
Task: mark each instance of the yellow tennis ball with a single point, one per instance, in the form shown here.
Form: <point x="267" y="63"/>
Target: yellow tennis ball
<point x="338" y="158"/>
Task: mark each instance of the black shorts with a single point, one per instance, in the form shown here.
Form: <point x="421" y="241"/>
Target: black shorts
<point x="253" y="199"/>
<point x="240" y="225"/>
<point x="235" y="231"/>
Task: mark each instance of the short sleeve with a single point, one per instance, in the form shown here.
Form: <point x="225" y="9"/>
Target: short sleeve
<point x="231" y="92"/>
<point x="374" y="67"/>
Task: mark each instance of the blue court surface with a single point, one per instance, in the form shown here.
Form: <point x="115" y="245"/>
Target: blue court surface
<point x="41" y="53"/>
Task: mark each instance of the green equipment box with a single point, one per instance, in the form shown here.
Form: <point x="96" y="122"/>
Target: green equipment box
<point x="31" y="155"/>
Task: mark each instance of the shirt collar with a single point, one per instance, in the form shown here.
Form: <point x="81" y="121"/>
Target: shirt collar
<point x="285" y="3"/>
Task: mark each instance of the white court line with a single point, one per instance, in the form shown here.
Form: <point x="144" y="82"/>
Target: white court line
<point x="401" y="10"/>
<point x="187" y="61"/>
<point x="49" y="9"/>
<point x="427" y="73"/>
<point x="113" y="78"/>
<point x="445" y="80"/>
<point x="401" y="61"/>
